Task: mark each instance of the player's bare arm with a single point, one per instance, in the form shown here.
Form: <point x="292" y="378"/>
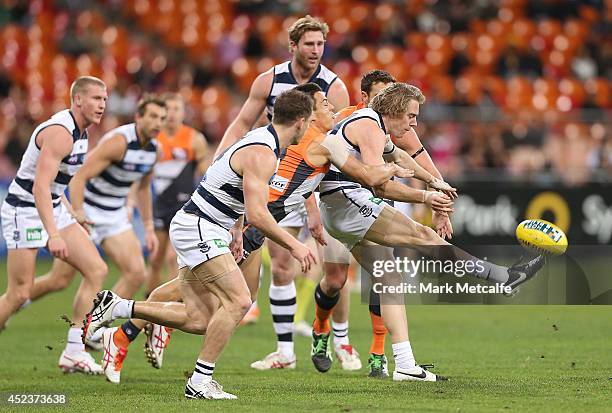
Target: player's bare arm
<point x="313" y="216"/>
<point x="55" y="143"/>
<point x="250" y="111"/>
<point x="100" y="158"/>
<point x="201" y="153"/>
<point x="411" y="143"/>
<point x="257" y="167"/>
<point x="145" y="208"/>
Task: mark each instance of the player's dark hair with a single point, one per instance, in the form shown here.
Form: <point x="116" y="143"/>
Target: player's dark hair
<point x="149" y="99"/>
<point x="291" y="106"/>
<point x="310" y="89"/>
<point x="375" y="76"/>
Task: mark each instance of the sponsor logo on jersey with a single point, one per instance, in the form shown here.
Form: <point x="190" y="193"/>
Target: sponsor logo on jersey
<point x="33" y="234"/>
<point x="278" y="183"/>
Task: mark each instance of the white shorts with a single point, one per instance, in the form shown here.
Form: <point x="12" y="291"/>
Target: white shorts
<point x="404" y="207"/>
<point x="197" y="240"/>
<point x="348" y="214"/>
<point x="107" y="224"/>
<point x="22" y="227"/>
<point x="295" y="219"/>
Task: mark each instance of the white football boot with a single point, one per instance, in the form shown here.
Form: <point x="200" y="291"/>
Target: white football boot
<point x="206" y="390"/>
<point x="276" y="360"/>
<point x="112" y="362"/>
<point x="101" y="314"/>
<point x="157" y="340"/>
<point x="417" y="373"/>
<point x="348" y="357"/>
<point x="80" y="362"/>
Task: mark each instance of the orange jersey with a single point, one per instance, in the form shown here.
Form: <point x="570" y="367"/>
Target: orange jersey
<point x="348" y="111"/>
<point x="173" y="178"/>
<point x="177" y="146"/>
<point x="295" y="178"/>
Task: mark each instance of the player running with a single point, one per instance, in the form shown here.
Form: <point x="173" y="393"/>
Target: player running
<point x="36" y="214"/>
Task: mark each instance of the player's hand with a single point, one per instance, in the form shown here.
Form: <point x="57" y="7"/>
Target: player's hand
<point x="83" y="221"/>
<point x="438" y="202"/>
<point x="236" y="245"/>
<point x="400" y="172"/>
<point x="316" y="228"/>
<point x="444" y="187"/>
<point x="57" y="247"/>
<point x="442" y="224"/>
<point x="151" y="241"/>
<point x="304" y="255"/>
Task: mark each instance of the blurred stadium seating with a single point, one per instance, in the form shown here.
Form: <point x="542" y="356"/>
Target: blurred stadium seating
<point x="516" y="87"/>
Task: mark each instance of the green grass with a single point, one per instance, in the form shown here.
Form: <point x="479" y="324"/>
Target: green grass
<point x="499" y="358"/>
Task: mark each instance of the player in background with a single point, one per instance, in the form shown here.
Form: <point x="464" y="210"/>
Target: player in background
<point x="307" y="38"/>
<point x="351" y="214"/>
<point x="183" y="156"/>
<point x="98" y="192"/>
<point x="235" y="184"/>
<point x="36" y="214"/>
<point x="372" y="83"/>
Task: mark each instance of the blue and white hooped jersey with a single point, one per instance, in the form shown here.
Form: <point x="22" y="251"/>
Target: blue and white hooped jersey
<point x="109" y="190"/>
<point x="20" y="190"/>
<point x="219" y="198"/>
<point x="335" y="180"/>
<point x="284" y="80"/>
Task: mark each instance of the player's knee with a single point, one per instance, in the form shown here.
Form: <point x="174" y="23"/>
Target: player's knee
<point x="283" y="272"/>
<point x="241" y="305"/>
<point x="19" y="295"/>
<point x="97" y="273"/>
<point x="335" y="280"/>
<point x="197" y="326"/>
<point x="135" y="276"/>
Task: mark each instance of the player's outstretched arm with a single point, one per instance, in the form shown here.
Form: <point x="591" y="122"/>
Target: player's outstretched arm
<point x="249" y="113"/>
<point x="107" y="151"/>
<point x="55" y="143"/>
<point x="257" y="167"/>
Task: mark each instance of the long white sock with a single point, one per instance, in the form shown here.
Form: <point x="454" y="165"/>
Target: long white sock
<point x="340" y="333"/>
<point x="202" y="372"/>
<point x="123" y="309"/>
<point x="283" y="304"/>
<point x="402" y="353"/>
<point x="74" y="343"/>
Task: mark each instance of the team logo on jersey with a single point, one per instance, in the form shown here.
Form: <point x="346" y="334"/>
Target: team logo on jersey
<point x="204" y="247"/>
<point x="366" y="211"/>
<point x="16" y="236"/>
<point x="33" y="234"/>
<point x="278" y="183"/>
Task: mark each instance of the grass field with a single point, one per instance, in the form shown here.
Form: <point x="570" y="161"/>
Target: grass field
<point x="498" y="358"/>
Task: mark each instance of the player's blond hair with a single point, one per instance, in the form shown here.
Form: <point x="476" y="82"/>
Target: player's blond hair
<point x="306" y="24"/>
<point x="172" y="96"/>
<point x="394" y="99"/>
<point x="81" y="83"/>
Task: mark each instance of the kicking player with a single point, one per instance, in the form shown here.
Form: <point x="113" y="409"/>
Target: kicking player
<point x="99" y="192"/>
<point x="307" y="38"/>
<point x="36" y="214"/>
<point x="351" y="214"/>
<point x="184" y="153"/>
<point x="195" y="319"/>
<point x="372" y="83"/>
<point x="234" y="184"/>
